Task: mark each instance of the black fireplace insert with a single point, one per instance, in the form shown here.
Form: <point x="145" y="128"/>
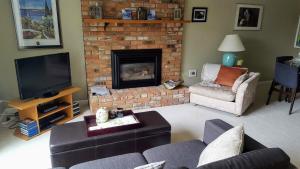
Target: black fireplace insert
<point x="136" y="68"/>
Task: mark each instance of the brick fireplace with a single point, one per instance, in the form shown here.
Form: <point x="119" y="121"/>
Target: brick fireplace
<point x="101" y="39"/>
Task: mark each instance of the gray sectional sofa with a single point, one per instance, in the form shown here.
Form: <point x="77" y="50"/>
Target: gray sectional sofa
<point x="186" y="154"/>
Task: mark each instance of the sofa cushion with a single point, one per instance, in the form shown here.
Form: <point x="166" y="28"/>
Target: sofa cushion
<point x="222" y="93"/>
<point x="227" y="145"/>
<point x="210" y="72"/>
<point x="176" y="155"/>
<point x="228" y="75"/>
<point x="156" y="165"/>
<point x="126" y="161"/>
<point x="268" y="158"/>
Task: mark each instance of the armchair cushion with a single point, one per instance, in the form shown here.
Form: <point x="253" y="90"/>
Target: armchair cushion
<point x="222" y="93"/>
<point x="228" y="75"/>
<point x="239" y="81"/>
<point x="210" y="72"/>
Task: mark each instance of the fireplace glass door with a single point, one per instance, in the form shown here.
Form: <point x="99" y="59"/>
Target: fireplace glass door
<point x="136" y="68"/>
<point x="137" y="71"/>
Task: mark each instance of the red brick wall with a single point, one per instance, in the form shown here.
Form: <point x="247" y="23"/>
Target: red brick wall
<point x="140" y="98"/>
<point x="98" y="41"/>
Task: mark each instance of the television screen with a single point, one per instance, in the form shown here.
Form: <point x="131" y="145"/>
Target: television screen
<point x="43" y="75"/>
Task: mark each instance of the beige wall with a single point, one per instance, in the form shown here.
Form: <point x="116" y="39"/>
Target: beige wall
<point x="200" y="44"/>
<point x="71" y="27"/>
<point x="276" y="37"/>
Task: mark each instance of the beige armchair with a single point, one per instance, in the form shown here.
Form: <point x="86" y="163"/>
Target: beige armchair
<point x="208" y="94"/>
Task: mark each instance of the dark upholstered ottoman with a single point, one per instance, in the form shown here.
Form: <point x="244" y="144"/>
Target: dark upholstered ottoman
<point x="69" y="144"/>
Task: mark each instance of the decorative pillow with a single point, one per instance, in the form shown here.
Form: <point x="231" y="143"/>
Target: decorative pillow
<point x="156" y="165"/>
<point x="239" y="81"/>
<point x="227" y="145"/>
<point x="210" y="72"/>
<point x="228" y="75"/>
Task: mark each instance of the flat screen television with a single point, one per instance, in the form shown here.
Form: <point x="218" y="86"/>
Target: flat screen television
<point x="43" y="76"/>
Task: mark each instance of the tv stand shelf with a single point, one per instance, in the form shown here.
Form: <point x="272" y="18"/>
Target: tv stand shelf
<point x="28" y="109"/>
<point x="60" y="108"/>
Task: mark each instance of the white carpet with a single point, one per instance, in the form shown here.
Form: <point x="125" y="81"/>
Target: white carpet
<point x="271" y="125"/>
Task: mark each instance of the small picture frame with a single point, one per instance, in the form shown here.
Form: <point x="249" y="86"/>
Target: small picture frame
<point x="151" y="14"/>
<point x="297" y="38"/>
<point x="95" y="11"/>
<point x="199" y="14"/>
<point x="248" y="17"/>
<point x="126" y="14"/>
<point x="177" y="14"/>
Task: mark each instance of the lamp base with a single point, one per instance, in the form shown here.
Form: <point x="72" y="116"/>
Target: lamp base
<point x="229" y="59"/>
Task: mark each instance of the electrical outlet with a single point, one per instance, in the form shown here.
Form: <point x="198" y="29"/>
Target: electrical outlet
<point x="192" y="73"/>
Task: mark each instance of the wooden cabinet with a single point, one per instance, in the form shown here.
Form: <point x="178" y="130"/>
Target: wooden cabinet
<point x="29" y="109"/>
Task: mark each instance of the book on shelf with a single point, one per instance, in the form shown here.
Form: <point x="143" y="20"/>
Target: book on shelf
<point x="29" y="133"/>
<point x="27" y="124"/>
<point x="28" y="127"/>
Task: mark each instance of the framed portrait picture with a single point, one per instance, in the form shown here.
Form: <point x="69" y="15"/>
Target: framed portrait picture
<point x="297" y="39"/>
<point x="37" y="23"/>
<point x="199" y="14"/>
<point x="248" y="17"/>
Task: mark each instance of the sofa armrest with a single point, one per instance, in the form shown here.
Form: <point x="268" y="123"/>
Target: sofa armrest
<point x="214" y="128"/>
<point x="246" y="93"/>
<point x="269" y="158"/>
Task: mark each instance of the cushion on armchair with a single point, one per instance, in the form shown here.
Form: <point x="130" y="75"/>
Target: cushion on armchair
<point x="210" y="72"/>
<point x="228" y="75"/>
<point x="239" y="81"/>
<point x="222" y="93"/>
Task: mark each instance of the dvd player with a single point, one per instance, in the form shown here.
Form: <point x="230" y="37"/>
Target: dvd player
<point x="50" y="106"/>
<point x="48" y="122"/>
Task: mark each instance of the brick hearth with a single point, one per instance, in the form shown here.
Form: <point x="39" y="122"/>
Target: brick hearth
<point x="100" y="39"/>
<point x="143" y="97"/>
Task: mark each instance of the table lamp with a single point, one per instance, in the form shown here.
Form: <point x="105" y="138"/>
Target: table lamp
<point x="230" y="45"/>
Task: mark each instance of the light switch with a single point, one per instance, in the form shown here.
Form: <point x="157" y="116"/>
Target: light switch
<point x="192" y="73"/>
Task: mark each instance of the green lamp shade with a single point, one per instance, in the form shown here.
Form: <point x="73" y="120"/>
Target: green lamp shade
<point x="229" y="59"/>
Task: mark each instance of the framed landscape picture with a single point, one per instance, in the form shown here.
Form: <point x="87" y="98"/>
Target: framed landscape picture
<point x="297" y="39"/>
<point x="248" y="17"/>
<point x="199" y="14"/>
<point x="37" y="23"/>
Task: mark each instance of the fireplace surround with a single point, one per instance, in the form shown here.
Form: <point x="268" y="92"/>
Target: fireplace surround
<point x="136" y="68"/>
<point x="101" y="39"/>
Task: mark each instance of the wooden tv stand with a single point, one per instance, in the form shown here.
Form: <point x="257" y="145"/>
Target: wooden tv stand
<point x="28" y="109"/>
